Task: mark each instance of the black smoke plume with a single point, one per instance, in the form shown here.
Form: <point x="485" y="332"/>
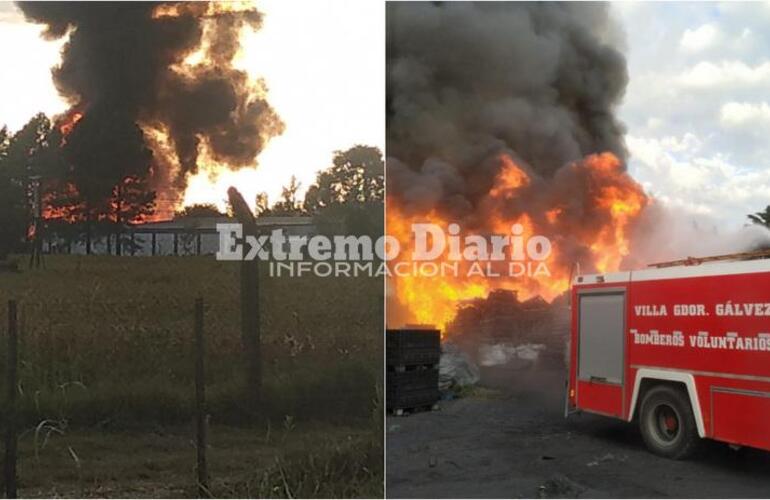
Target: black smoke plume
<point x="503" y="113"/>
<point x="122" y="69"/>
<point x="467" y="81"/>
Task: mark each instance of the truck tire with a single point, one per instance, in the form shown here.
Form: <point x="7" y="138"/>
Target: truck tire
<point x="667" y="423"/>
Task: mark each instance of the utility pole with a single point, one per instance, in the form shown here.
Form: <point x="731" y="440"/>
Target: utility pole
<point x="36" y="187"/>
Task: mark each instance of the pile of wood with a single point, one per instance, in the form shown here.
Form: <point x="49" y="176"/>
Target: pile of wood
<point x="502" y="318"/>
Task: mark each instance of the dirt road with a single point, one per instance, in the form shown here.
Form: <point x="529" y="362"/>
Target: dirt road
<point x="509" y="439"/>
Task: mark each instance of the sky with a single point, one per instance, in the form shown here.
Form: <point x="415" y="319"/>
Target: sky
<point x="697" y="107"/>
<point x="25" y="83"/>
<point x="697" y="110"/>
<point x="323" y="65"/>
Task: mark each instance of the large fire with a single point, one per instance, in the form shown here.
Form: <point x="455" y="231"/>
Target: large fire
<point x="61" y="199"/>
<point x="176" y="106"/>
<point x="206" y="186"/>
<point x="589" y="230"/>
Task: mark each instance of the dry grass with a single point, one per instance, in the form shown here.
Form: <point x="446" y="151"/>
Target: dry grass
<point x="106" y="346"/>
<point x="112" y="337"/>
<point x="160" y="464"/>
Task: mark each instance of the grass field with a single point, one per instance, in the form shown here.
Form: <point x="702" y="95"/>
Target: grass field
<point x="312" y="461"/>
<point x="106" y="349"/>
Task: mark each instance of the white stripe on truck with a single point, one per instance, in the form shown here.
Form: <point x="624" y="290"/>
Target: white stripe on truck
<point x="704" y="269"/>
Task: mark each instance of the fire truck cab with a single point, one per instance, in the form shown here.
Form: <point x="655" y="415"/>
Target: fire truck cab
<point x="682" y="348"/>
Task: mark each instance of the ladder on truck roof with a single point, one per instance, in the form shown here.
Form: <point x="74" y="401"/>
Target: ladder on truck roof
<point x="694" y="261"/>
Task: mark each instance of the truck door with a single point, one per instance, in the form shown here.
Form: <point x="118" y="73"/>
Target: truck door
<point x="601" y="350"/>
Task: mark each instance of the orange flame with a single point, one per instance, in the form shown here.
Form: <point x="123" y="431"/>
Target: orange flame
<point x="67" y="124"/>
<point x="61" y="202"/>
<point x="200" y="9"/>
<point x="597" y="222"/>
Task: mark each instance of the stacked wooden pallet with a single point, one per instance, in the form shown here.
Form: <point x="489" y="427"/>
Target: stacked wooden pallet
<point x="412" y="357"/>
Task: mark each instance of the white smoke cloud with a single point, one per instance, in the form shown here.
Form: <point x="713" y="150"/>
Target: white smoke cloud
<point x="667" y="233"/>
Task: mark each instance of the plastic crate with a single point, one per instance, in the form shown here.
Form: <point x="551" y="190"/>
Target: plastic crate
<point x="406" y="347"/>
<point x="412" y="399"/>
<point x="411" y="381"/>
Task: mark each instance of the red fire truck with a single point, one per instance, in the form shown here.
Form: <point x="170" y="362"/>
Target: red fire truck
<point x="683" y="348"/>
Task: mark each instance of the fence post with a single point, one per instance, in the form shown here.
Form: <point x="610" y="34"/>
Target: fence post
<point x="250" y="320"/>
<point x="9" y="468"/>
<point x="250" y="329"/>
<point x="200" y="402"/>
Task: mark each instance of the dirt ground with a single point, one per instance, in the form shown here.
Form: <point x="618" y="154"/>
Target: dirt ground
<point x="509" y="438"/>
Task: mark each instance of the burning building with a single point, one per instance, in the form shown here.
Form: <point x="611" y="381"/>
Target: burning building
<point x="154" y="96"/>
<point x="502" y="115"/>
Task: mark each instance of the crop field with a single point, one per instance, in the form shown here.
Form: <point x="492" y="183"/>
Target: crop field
<point x="106" y="364"/>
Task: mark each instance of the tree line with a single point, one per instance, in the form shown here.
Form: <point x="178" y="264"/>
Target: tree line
<point x="36" y="179"/>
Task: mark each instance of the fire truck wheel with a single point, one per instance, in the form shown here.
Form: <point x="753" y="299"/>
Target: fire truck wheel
<point x="667" y="423"/>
